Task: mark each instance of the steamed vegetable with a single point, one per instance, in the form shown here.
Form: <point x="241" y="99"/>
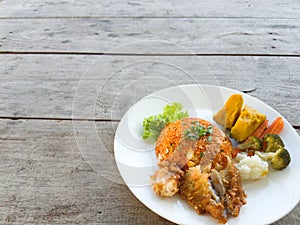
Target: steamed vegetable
<point x="235" y="151"/>
<point x="273" y="142"/>
<point x="252" y="142"/>
<point x="229" y="113"/>
<point x="249" y="120"/>
<point x="275" y="127"/>
<point x="251" y="168"/>
<point x="154" y="124"/>
<point x="259" y="131"/>
<point x="279" y="159"/>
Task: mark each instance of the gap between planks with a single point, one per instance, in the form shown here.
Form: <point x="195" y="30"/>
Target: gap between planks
<point x="74" y="119"/>
<point x="142" y="54"/>
<point x="56" y="119"/>
<point x="148" y="17"/>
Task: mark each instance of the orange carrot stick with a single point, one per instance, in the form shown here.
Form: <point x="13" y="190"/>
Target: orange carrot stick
<point x="260" y="129"/>
<point x="275" y="128"/>
<point x="234" y="152"/>
<point x="278" y="127"/>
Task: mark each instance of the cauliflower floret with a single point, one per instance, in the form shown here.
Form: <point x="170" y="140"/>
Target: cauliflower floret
<point x="251" y="168"/>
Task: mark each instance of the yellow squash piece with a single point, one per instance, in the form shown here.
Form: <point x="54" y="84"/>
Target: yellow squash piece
<point x="248" y="121"/>
<point x="228" y="115"/>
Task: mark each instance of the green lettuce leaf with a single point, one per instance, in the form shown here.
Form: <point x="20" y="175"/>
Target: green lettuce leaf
<point x="154" y="124"/>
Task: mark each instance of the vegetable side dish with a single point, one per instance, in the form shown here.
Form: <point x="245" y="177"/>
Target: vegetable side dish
<point x="259" y="143"/>
<point x="196" y="159"/>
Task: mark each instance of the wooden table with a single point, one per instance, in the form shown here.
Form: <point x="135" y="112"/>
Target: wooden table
<point x="70" y="70"/>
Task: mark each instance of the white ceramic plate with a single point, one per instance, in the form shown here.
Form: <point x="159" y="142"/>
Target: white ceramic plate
<point x="268" y="199"/>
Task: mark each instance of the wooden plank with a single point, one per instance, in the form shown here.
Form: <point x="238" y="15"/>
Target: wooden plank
<point x="148" y="8"/>
<point x="45" y="179"/>
<point x="152" y="35"/>
<point x="31" y="86"/>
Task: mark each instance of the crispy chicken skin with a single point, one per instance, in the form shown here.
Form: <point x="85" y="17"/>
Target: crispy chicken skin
<point x="166" y="180"/>
<point x="172" y="140"/>
<point x="199" y="169"/>
<point x="235" y="196"/>
<point x="196" y="189"/>
<point x="219" y="193"/>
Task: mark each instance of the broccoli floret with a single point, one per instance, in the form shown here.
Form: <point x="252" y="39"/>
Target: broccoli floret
<point x="273" y="142"/>
<point x="251" y="142"/>
<point x="279" y="159"/>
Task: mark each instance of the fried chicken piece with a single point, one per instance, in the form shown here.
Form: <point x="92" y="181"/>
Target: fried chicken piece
<point x="172" y="138"/>
<point x="218" y="193"/>
<point x="199" y="168"/>
<point x="196" y="189"/>
<point x="235" y="196"/>
<point x="174" y="146"/>
<point x="216" y="151"/>
<point x="228" y="185"/>
<point x="166" y="180"/>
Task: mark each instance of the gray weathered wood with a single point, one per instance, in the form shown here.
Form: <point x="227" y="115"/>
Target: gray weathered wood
<point x="44" y="178"/>
<point x="45" y="85"/>
<point x="57" y="171"/>
<point x="152" y="35"/>
<point x="148" y="8"/>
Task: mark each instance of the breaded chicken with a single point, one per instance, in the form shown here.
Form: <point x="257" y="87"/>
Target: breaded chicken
<point x="218" y="193"/>
<point x="173" y="145"/>
<point x="235" y="196"/>
<point x="166" y="180"/>
<point x="197" y="190"/>
<point x="198" y="165"/>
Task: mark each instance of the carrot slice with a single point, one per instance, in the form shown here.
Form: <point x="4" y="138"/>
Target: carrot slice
<point x="275" y="128"/>
<point x="234" y="152"/>
<point x="264" y="147"/>
<point x="250" y="153"/>
<point x="278" y="127"/>
<point x="260" y="129"/>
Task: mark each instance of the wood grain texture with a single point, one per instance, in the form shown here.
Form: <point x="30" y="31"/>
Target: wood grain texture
<point x="148" y="8"/>
<point x="58" y="171"/>
<point x="47" y="85"/>
<point x="45" y="179"/>
<point x="152" y="35"/>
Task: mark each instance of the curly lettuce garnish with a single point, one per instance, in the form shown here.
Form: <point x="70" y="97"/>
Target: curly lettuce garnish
<point x="154" y="124"/>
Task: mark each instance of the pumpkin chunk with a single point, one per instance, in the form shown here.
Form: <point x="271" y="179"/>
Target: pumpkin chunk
<point x="228" y="115"/>
<point x="247" y="122"/>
